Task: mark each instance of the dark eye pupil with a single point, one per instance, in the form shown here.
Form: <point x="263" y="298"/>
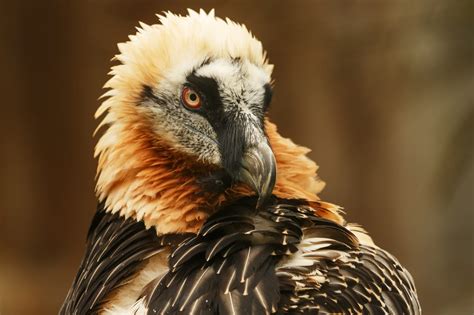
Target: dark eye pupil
<point x="193" y="97"/>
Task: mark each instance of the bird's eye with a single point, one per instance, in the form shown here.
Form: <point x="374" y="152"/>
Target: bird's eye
<point x="190" y="98"/>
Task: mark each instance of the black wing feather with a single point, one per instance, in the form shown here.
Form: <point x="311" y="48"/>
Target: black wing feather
<point x="112" y="241"/>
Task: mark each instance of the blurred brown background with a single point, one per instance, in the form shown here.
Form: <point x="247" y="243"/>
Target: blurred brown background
<point x="383" y="92"/>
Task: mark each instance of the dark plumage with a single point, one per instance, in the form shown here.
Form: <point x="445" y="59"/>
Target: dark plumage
<point x="116" y="247"/>
<point x="282" y="259"/>
<point x="238" y="263"/>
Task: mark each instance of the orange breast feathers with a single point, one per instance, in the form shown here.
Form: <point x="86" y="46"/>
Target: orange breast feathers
<point x="142" y="177"/>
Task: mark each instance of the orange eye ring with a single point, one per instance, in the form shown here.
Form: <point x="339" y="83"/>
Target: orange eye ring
<point x="190" y="98"/>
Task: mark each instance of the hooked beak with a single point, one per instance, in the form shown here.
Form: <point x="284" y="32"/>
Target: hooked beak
<point x="258" y="170"/>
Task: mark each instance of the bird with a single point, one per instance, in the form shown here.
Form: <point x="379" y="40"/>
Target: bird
<point x="203" y="206"/>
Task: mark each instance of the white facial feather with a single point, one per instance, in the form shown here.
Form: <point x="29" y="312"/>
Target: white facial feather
<point x="241" y="89"/>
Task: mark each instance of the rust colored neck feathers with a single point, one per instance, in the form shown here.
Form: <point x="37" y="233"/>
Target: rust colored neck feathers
<point x="141" y="177"/>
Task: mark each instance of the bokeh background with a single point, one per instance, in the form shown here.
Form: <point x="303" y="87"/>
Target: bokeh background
<point x="383" y="92"/>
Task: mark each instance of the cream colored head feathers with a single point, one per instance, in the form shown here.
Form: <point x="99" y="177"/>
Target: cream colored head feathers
<point x="176" y="45"/>
<point x="142" y="171"/>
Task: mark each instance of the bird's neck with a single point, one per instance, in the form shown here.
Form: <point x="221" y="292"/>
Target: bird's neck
<point x="141" y="177"/>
